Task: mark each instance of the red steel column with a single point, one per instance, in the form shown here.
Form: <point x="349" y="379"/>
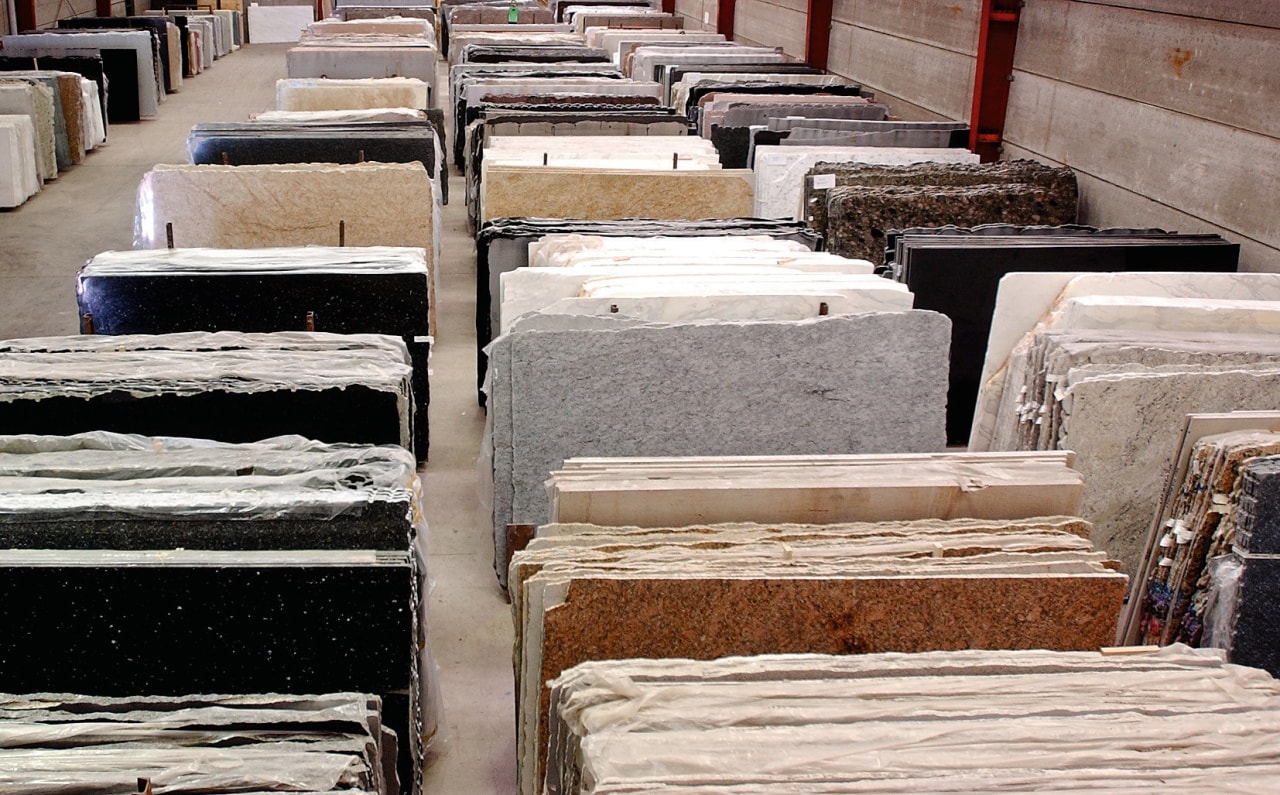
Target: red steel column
<point x="25" y="14"/>
<point x="817" y="33"/>
<point x="668" y="6"/>
<point x="104" y="8"/>
<point x="724" y="17"/>
<point x="997" y="36"/>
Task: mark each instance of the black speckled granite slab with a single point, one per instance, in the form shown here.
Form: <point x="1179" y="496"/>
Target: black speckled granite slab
<point x="1254" y="628"/>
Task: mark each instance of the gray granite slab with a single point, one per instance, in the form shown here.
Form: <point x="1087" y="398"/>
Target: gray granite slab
<point x="873" y="383"/>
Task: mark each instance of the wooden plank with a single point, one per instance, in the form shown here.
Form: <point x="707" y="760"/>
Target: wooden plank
<point x="1214" y="70"/>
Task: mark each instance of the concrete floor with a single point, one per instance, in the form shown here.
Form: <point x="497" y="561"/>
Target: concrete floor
<point x="90" y="208"/>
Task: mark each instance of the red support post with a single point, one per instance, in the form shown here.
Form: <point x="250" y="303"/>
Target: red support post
<point x="997" y="37"/>
<point x="724" y="17"/>
<point x="25" y="15"/>
<point x="104" y="8"/>
<point x="668" y="6"/>
<point x="817" y="33"/>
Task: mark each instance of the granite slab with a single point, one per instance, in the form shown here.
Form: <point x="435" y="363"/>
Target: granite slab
<point x="781" y="172"/>
<point x="368" y="204"/>
<point x="301" y="94"/>
<point x="337" y="388"/>
<point x="168" y="40"/>
<point x="809" y="387"/>
<point x="17" y="160"/>
<point x="35" y="101"/>
<point x="51" y="104"/>
<point x="548" y="192"/>
<point x="325" y="58"/>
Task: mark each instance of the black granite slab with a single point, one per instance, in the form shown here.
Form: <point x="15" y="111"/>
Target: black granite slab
<point x="56" y="394"/>
<point x="159" y="26"/>
<point x="531" y="53"/>
<point x="502" y="245"/>
<point x="175" y="622"/>
<point x="340" y="303"/>
<point x="961" y="282"/>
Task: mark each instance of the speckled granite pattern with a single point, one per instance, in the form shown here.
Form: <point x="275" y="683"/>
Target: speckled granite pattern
<point x="808" y="387"/>
<point x="541" y="192"/>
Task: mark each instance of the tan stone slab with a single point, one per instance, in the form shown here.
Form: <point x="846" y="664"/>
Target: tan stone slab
<point x="546" y="192"/>
<point x="299" y="204"/>
<point x="324" y="94"/>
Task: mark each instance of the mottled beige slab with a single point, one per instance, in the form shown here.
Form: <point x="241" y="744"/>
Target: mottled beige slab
<point x="325" y="94"/>
<point x="298" y="204"/>
<point x="548" y="192"/>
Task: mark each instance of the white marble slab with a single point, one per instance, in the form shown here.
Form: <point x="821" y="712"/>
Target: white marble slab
<point x="649" y="56"/>
<point x="19" y="178"/>
<point x="269" y="24"/>
<point x="20" y="98"/>
<point x="355" y="62"/>
<point x="620" y="41"/>
<point x="780" y="170"/>
<point x="556" y="250"/>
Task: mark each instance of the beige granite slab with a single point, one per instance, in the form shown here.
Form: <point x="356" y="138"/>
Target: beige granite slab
<point x="515" y="191"/>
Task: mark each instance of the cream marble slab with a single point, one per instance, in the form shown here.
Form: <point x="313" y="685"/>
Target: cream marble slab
<point x="273" y="24"/>
<point x="303" y="94"/>
<point x="402" y="26"/>
<point x="780" y="170"/>
<point x="616" y="42"/>
<point x="19" y="177"/>
<point x="35" y="101"/>
<point x="94" y="124"/>
<point x="548" y="192"/>
<point x="777" y="305"/>
<point x="645" y="58"/>
<point x="1171" y="314"/>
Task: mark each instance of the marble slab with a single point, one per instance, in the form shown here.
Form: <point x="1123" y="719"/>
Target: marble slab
<point x="398" y="26"/>
<point x="269" y="24"/>
<point x="21" y="178"/>
<point x="35" y="101"/>
<point x="549" y="192"/>
<point x="306" y="94"/>
<point x="355" y="61"/>
<point x="138" y="41"/>
<point x="62" y="114"/>
<point x="169" y="41"/>
<point x="780" y="171"/>
<point x="805" y="387"/>
<point x="617" y="42"/>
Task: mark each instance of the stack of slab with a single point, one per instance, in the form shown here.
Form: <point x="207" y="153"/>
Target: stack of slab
<point x="351" y="290"/>
<point x="291" y="204"/>
<point x="523" y="43"/>
<point x="19" y="171"/>
<point x="619" y="44"/>
<point x="1109" y="366"/>
<point x="281" y="566"/>
<point x="1207" y="577"/>
<point x="411" y="9"/>
<point x="353" y="388"/>
<point x="312" y="94"/>
<point x="129" y="58"/>
<point x="582" y="593"/>
<point x="855" y="204"/>
<point x="963" y="721"/>
<point x="88" y="68"/>
<point x="609" y="177"/>
<point x="168" y="41"/>
<point x="830" y="489"/>
<point x="791" y="379"/>
<point x="502" y="246"/>
<point x="329" y="744"/>
<point x="957" y="272"/>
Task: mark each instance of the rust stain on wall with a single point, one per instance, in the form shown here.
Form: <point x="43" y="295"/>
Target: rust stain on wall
<point x="1178" y="59"/>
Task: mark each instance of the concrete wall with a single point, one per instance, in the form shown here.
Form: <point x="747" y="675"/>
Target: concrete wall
<point x="698" y="14"/>
<point x="1168" y="111"/>
<point x="772" y="23"/>
<point x="917" y="55"/>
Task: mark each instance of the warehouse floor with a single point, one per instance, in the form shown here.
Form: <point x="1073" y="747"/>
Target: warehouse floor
<point x="90" y="209"/>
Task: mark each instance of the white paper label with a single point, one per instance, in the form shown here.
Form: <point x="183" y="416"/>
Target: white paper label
<point x="824" y="181"/>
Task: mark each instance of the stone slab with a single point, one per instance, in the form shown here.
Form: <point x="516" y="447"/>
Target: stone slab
<point x="310" y="94"/>
<point x="268" y="24"/>
<point x="137" y="41"/>
<point x="21" y="179"/>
